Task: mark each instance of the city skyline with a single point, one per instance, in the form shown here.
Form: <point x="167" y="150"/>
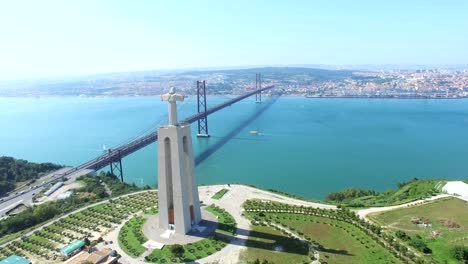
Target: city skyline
<point x="57" y="38"/>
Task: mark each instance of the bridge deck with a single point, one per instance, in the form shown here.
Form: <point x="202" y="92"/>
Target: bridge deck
<point x="126" y="149"/>
<point x="120" y="152"/>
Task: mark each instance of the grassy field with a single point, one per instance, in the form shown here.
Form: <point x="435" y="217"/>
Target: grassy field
<point x="131" y="238"/>
<point x="412" y="191"/>
<point x="262" y="242"/>
<point x="450" y="209"/>
<point x="202" y="248"/>
<point x="337" y="241"/>
<point x="226" y="223"/>
<point x="220" y="194"/>
<point x="191" y="251"/>
<point x="340" y="242"/>
<point x="151" y="211"/>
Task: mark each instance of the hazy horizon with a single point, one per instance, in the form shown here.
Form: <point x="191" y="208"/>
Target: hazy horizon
<point x="74" y="38"/>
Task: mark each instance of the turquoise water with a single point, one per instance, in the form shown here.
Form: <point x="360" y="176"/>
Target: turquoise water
<point x="308" y="147"/>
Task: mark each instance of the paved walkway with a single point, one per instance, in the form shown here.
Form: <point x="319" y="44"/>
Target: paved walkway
<point x="114" y="237"/>
<point x="232" y="202"/>
<point x="364" y="212"/>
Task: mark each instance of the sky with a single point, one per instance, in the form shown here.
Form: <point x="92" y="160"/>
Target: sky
<point x="64" y="37"/>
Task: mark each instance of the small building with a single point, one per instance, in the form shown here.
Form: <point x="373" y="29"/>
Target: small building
<point x="72" y="248"/>
<point x="53" y="188"/>
<point x="15" y="259"/>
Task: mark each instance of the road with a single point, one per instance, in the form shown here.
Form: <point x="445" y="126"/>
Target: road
<point x="25" y="198"/>
<point x="364" y="212"/>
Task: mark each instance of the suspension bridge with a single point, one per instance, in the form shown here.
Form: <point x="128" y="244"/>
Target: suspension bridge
<point x="113" y="157"/>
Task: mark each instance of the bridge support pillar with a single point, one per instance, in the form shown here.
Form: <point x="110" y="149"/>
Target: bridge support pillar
<point x="201" y="108"/>
<point x="116" y="166"/>
<point x="258" y="86"/>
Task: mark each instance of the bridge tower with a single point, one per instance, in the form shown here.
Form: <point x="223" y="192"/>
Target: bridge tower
<point x="179" y="205"/>
<point x="258" y="85"/>
<point x="116" y="165"/>
<point x="201" y="108"/>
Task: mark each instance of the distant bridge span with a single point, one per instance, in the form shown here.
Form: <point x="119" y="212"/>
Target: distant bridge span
<point x="118" y="153"/>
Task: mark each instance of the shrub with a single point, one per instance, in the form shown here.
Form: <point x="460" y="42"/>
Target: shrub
<point x="460" y="253"/>
<point x="177" y="250"/>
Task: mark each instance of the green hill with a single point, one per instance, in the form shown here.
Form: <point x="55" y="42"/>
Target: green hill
<point x="407" y="192"/>
<point x="14" y="171"/>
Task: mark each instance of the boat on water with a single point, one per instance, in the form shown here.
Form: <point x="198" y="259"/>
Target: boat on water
<point x="254" y="132"/>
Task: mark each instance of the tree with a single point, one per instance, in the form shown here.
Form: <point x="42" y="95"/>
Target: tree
<point x="87" y="242"/>
<point x="420" y="245"/>
<point x="402" y="235"/>
<point x="15" y="170"/>
<point x="460" y="253"/>
<point x="349" y="194"/>
<point x="177" y="250"/>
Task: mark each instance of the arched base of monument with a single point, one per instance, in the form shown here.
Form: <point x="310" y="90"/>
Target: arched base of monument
<point x="158" y="237"/>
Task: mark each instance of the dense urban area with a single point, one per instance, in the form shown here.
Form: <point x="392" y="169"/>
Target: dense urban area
<point x="310" y="82"/>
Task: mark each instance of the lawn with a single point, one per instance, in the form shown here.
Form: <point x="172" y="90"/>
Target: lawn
<point x="409" y="192"/>
<point x="338" y="242"/>
<point x="335" y="234"/>
<point x="202" y="248"/>
<point x="151" y="211"/>
<point x="191" y="251"/>
<point x="262" y="243"/>
<point x="131" y="238"/>
<point x="226" y="223"/>
<point x="451" y="209"/>
<point x="220" y="194"/>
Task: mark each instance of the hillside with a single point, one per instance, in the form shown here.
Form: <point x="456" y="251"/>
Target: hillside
<point x="14" y="171"/>
<point x="406" y="192"/>
<point x="149" y="83"/>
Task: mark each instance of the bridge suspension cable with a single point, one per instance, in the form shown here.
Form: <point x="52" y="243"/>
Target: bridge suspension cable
<point x="118" y="153"/>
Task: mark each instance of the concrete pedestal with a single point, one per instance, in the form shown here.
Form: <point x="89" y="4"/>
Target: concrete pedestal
<point x="179" y="205"/>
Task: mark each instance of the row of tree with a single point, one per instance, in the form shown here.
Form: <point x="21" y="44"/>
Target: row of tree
<point x="350" y="193"/>
<point x="417" y="242"/>
<point x="39" y="214"/>
<point x="386" y="240"/>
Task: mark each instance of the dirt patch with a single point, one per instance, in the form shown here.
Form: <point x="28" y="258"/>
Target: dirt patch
<point x="420" y="221"/>
<point x="449" y="223"/>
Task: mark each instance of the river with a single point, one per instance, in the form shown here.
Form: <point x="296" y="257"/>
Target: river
<point x="305" y="146"/>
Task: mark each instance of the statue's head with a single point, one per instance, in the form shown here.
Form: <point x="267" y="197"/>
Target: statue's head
<point x="172" y="90"/>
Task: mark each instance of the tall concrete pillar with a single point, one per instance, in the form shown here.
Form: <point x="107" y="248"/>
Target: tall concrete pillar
<point x="179" y="205"/>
